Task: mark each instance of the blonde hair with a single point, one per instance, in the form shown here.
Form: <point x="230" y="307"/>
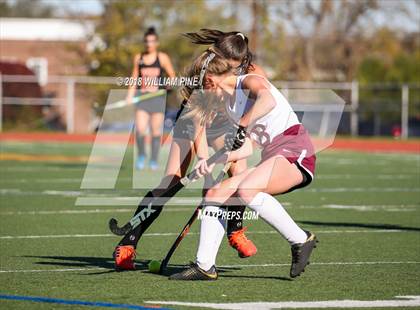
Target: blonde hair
<point x="200" y="105"/>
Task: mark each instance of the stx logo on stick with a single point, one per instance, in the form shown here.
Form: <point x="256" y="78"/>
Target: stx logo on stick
<point x="142" y="215"/>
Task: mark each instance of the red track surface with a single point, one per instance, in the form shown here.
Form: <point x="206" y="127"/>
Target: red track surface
<point x="362" y="145"/>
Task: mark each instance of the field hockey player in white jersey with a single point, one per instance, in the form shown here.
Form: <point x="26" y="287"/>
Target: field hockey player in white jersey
<point x="264" y="118"/>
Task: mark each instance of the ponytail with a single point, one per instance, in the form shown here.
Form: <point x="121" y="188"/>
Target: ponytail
<point x="205" y="36"/>
<point x="232" y="45"/>
<point x="151" y="31"/>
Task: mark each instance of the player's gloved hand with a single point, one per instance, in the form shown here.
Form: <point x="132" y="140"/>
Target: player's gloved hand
<point x="202" y="168"/>
<point x="235" y="138"/>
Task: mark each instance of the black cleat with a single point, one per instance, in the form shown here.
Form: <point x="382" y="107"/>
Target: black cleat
<point x="195" y="273"/>
<point x="301" y="253"/>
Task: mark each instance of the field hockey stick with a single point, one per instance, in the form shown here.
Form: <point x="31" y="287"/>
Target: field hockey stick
<point x="169" y="192"/>
<point x="178" y="240"/>
<point x="123" y="103"/>
<point x="187" y="226"/>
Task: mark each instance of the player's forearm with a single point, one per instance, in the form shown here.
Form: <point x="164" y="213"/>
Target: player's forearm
<point x="167" y="66"/>
<point x="170" y="71"/>
<point x="243" y="152"/>
<point x="200" y="141"/>
<point x="202" y="150"/>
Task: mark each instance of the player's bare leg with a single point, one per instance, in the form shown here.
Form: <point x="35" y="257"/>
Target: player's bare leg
<point x="254" y="187"/>
<point x="156" y="125"/>
<point x="180" y="156"/>
<point x="142" y="122"/>
<point x="278" y="175"/>
<point x="234" y="226"/>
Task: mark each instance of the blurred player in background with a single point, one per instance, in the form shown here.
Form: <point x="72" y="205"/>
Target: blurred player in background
<point x="234" y="47"/>
<point x="149" y="113"/>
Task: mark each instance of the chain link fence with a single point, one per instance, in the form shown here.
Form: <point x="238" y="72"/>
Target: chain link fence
<point x="72" y="104"/>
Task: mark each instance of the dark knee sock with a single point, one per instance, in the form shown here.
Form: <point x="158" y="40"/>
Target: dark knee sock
<point x="134" y="236"/>
<point x="140" y="144"/>
<point x="236" y="222"/>
<point x="155" y="148"/>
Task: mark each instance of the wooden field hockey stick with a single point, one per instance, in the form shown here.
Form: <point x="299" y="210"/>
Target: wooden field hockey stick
<point x="187" y="226"/>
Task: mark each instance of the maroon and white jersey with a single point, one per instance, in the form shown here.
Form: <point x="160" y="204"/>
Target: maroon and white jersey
<point x="266" y="128"/>
<point x="279" y="132"/>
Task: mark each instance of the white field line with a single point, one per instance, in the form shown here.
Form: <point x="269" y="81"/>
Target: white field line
<point x="401" y="301"/>
<point x="41" y="168"/>
<point x="347" y="176"/>
<point x="102" y="196"/>
<point x="79" y="236"/>
<point x="85" y="211"/>
<point x="352" y="161"/>
<point x="332" y="176"/>
<point x="322" y="189"/>
<point x="19" y="192"/>
<point x="330" y="162"/>
<point x="56" y="180"/>
<point x="46" y="212"/>
<point x="133" y="201"/>
<point x="390" y="208"/>
<point x="360" y="189"/>
<point x="50" y="270"/>
<point x="103" y="199"/>
<point x="229" y="266"/>
<point x="318" y="264"/>
<point x="386" y="208"/>
<point x="194" y="233"/>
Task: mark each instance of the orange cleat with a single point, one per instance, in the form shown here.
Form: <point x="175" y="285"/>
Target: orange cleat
<point x="242" y="244"/>
<point x="124" y="256"/>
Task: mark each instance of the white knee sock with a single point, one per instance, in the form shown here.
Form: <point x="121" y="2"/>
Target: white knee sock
<point x="212" y="230"/>
<point x="274" y="214"/>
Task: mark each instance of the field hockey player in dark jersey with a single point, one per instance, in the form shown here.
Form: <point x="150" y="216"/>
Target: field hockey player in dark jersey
<point x="234" y="46"/>
<point x="149" y="66"/>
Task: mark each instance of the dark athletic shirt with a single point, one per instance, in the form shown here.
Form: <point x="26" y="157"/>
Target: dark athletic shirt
<point x="151" y="71"/>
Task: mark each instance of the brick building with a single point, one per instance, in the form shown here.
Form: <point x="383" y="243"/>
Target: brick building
<point x="51" y="47"/>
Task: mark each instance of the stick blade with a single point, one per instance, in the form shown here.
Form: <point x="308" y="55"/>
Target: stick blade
<point x="162" y="269"/>
<point x="119" y="231"/>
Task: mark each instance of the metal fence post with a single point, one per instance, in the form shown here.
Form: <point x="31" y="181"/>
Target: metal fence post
<point x="354" y="117"/>
<point x="404" y="111"/>
<point x="70" y="106"/>
<point x="1" y="103"/>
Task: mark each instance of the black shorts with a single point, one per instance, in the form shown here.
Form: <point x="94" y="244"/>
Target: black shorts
<point x="306" y="179"/>
<point x="184" y="128"/>
<point x="153" y="105"/>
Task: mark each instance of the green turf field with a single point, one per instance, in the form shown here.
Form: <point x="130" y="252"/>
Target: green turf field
<point x="364" y="208"/>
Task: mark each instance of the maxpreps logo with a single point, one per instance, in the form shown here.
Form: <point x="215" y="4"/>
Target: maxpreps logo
<point x="228" y="215"/>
